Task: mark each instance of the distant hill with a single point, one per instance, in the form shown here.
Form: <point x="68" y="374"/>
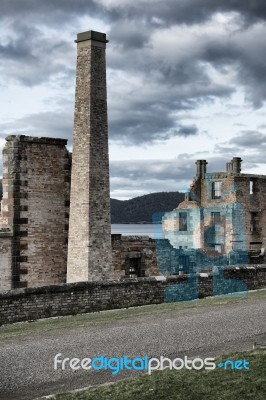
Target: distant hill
<point x="140" y="209"/>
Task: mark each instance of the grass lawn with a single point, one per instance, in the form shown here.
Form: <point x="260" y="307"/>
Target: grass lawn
<point x="50" y="324"/>
<point x="218" y="384"/>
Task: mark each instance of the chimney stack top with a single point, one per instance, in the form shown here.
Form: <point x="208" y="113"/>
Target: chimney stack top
<point x="91" y="35"/>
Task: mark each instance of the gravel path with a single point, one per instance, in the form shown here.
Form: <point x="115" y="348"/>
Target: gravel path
<point x="26" y="363"/>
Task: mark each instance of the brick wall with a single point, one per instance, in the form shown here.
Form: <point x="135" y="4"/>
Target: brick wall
<point x="238" y="219"/>
<point x="36" y="181"/>
<point x="242" y="212"/>
<point x="5" y="260"/>
<point x="83" y="297"/>
<point x="253" y="204"/>
<point x="127" y="248"/>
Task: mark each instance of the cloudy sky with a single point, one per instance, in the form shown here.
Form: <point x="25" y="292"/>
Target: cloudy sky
<point x="186" y="81"/>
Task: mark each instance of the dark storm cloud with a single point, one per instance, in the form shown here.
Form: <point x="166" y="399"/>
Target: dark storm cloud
<point x="19" y="46"/>
<point x="169" y="12"/>
<point x="130" y="34"/>
<point x="17" y="50"/>
<point x="157" y="12"/>
<point x="240" y="50"/>
<point x="57" y="124"/>
<point x="144" y="41"/>
<point x="245" y="52"/>
<point x="50" y="124"/>
<point x="189" y="130"/>
<point x="137" y="177"/>
<point x="49" y="12"/>
<point x="60" y="124"/>
<point x="146" y="125"/>
<point x="129" y="179"/>
<point x="31" y="59"/>
<point x="249" y="139"/>
<point x="148" y="111"/>
<point x="182" y="167"/>
<point x="249" y="145"/>
<point x="183" y="75"/>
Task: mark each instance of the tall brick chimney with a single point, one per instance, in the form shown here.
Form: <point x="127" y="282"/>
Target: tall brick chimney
<point x="201" y="168"/>
<point x="89" y="244"/>
<point x="234" y="166"/>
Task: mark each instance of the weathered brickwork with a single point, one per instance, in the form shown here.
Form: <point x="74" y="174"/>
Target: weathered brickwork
<point x="5" y="259"/>
<point x="36" y="180"/>
<point x="76" y="298"/>
<point x="134" y="256"/>
<point x="89" y="246"/>
<point x="225" y="211"/>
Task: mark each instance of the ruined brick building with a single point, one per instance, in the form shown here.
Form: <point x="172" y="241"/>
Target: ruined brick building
<point x="34" y="211"/>
<point x="224" y="215"/>
<point x="55" y="211"/>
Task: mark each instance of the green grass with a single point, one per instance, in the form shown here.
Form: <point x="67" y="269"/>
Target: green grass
<point x="42" y="326"/>
<point x="217" y="384"/>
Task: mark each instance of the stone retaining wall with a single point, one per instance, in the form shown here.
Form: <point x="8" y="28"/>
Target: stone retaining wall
<point x="83" y="297"/>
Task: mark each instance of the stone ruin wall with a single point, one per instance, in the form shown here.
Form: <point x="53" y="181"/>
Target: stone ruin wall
<point x="244" y="209"/>
<point x="253" y="204"/>
<point x="35" y="204"/>
<point x="126" y="249"/>
<point x="83" y="297"/>
<point x="5" y="259"/>
<point x="236" y="194"/>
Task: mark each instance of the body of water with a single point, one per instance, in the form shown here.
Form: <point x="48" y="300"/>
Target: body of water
<point x="152" y="230"/>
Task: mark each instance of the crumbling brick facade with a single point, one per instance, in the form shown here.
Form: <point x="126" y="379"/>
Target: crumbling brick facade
<point x="224" y="213"/>
<point x="5" y="259"/>
<point x="134" y="256"/>
<point x="35" y="206"/>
